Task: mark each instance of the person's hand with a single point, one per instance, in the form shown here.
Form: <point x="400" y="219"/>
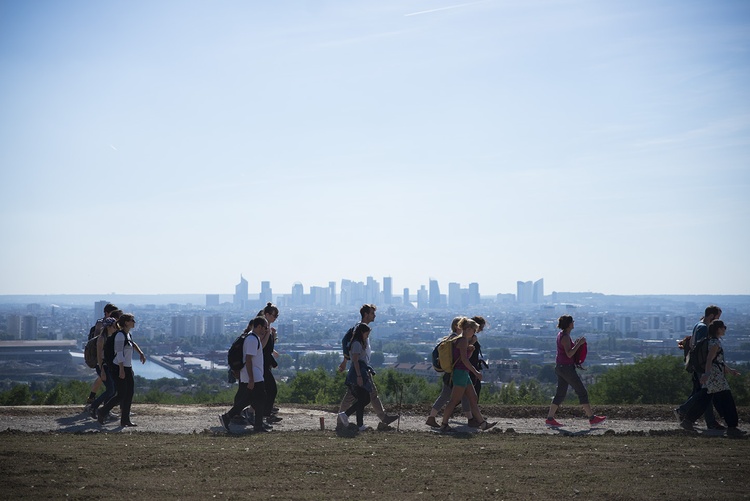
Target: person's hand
<point x="122" y="373"/>
<point x="143" y="358"/>
<point x="103" y="375"/>
<point x="479" y="375"/>
<point x="342" y="366"/>
<point x="251" y="385"/>
<point x="360" y="381"/>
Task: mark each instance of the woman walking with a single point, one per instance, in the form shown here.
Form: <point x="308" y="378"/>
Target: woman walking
<point x="359" y="378"/>
<point x="565" y="368"/>
<point x="271" y="314"/>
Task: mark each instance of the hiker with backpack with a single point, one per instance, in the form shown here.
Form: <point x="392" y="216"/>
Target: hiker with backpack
<point x="251" y="390"/>
<point x="447" y="388"/>
<point x="94" y="333"/>
<point x="122" y="371"/>
<point x="460" y="375"/>
<point x="359" y="379"/>
<point x="700" y="332"/>
<point x="715" y="388"/>
<point x="102" y="367"/>
<point x="565" y="369"/>
<point x="271" y="314"/>
<point x="367" y="314"/>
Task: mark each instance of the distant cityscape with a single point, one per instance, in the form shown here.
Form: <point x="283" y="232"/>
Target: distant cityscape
<point x="521" y="326"/>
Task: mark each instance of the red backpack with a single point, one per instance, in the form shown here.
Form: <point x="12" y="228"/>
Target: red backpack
<point x="580" y="355"/>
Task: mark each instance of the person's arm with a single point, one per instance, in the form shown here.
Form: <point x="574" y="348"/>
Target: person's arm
<point x="249" y="367"/>
<point x="138" y="349"/>
<point x="120" y="353"/>
<point x="571" y="350"/>
<point x="100" y="357"/>
<point x="357" y="368"/>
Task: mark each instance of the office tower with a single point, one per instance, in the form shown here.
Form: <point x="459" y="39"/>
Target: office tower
<point x="434" y="301"/>
<point x="212" y="300"/>
<point x="423" y="298"/>
<point x="214" y="325"/>
<point x="387" y="290"/>
<point x="320" y="296"/>
<point x="266" y="294"/>
<point x="597" y="324"/>
<point x="14" y="326"/>
<point x="406" y="299"/>
<point x="372" y="291"/>
<point x="179" y="326"/>
<point x="524" y="292"/>
<point x="538" y="292"/>
<point x="332" y="292"/>
<point x="298" y="294"/>
<point x="241" y="295"/>
<point x="474" y="297"/>
<point x="454" y="295"/>
<point x="624" y="325"/>
<point x="99" y="310"/>
<point x="679" y="324"/>
<point x="653" y="322"/>
<point x="29" y="327"/>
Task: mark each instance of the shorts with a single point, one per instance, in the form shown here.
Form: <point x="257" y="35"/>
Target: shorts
<point x="461" y="377"/>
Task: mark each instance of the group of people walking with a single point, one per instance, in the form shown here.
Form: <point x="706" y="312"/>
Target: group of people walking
<point x="114" y="365"/>
<point x="254" y="402"/>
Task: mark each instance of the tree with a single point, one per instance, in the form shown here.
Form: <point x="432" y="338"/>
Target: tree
<point x="651" y="380"/>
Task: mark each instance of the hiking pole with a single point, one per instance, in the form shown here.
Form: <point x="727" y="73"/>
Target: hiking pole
<point x="400" y="398"/>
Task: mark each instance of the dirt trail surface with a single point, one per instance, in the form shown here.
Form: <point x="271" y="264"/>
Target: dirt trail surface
<point x="179" y="419"/>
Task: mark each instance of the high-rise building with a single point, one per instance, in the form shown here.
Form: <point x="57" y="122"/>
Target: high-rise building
<point x="406" y="298"/>
<point x="266" y="294"/>
<point x="653" y="322"/>
<point x="454" y="295"/>
<point x="320" y="296"/>
<point x="14" y="326"/>
<point x="434" y="294"/>
<point x="332" y="292"/>
<point x="597" y="323"/>
<point x="241" y="295"/>
<point x="214" y="325"/>
<point x="99" y="310"/>
<point x="372" y="291"/>
<point x="423" y="298"/>
<point x="298" y="294"/>
<point x="474" y="297"/>
<point x="29" y="327"/>
<point x="524" y="292"/>
<point x="538" y="292"/>
<point x="387" y="290"/>
<point x="679" y="324"/>
<point x="624" y="325"/>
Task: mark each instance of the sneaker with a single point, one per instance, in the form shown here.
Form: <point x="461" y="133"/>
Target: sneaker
<point x="735" y="432"/>
<point x="484" y="425"/>
<point x="274" y="410"/>
<point x="686" y="425"/>
<point x="473" y="423"/>
<point x="248" y="414"/>
<point x="431" y="421"/>
<point x="384" y="427"/>
<point x="92" y="412"/>
<point x="716" y="426"/>
<point x="364" y="427"/>
<point x="128" y="424"/>
<point x="553" y="423"/>
<point x="273" y="419"/>
<point x="267" y="427"/>
<point x="260" y="429"/>
<point x="596" y="419"/>
<point x="100" y="416"/>
<point x="389" y="419"/>
<point x="446" y="428"/>
<point x="224" y="422"/>
<point x="343" y="418"/>
<point x="677" y="414"/>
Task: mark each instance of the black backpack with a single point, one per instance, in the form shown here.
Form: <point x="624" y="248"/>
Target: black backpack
<point x="235" y="360"/>
<point x="696" y="357"/>
<point x="89" y="352"/>
<point x="346" y="341"/>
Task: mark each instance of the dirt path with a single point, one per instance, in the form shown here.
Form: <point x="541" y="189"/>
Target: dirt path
<point x="178" y="419"/>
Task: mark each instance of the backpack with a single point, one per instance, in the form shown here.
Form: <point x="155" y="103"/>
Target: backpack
<point x="235" y="358"/>
<point x="89" y="352"/>
<point x="346" y="341"/>
<point x="696" y="357"/>
<point x="580" y="355"/>
<point x="92" y="332"/>
<point x="442" y="354"/>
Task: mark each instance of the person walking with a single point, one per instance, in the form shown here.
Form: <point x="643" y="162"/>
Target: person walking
<point x="700" y="332"/>
<point x="359" y="378"/>
<point x="565" y="368"/>
<point x="715" y="390"/>
<point x="271" y="314"/>
<point x="102" y="368"/>
<point x="122" y="371"/>
<point x="461" y="380"/>
<point x="251" y="390"/>
<point x="95" y="332"/>
<point x="367" y="315"/>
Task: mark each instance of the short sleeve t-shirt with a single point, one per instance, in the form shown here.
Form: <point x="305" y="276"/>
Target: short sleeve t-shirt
<point x="251" y="347"/>
<point x="362" y="353"/>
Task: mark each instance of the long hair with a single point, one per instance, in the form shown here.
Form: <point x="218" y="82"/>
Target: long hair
<point x="359" y="334"/>
<point x="564" y="322"/>
<point x="125" y="317"/>
<point x="713" y="329"/>
<point x="271" y="309"/>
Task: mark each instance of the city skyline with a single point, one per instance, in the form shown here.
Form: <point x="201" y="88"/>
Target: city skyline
<point x="166" y="147"/>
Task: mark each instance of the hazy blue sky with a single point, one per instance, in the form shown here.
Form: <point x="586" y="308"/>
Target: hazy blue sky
<point x="170" y="146"/>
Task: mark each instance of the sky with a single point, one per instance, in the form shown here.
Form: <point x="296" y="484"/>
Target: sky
<point x="172" y="146"/>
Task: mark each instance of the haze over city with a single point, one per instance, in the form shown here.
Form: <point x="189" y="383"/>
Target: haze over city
<point x="168" y="147"/>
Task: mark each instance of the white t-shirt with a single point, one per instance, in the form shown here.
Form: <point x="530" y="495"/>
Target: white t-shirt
<point x="364" y="355"/>
<point x="123" y="351"/>
<point x="252" y="347"/>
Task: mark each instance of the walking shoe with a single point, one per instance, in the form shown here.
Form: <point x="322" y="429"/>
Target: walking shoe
<point x="388" y="419"/>
<point x="92" y="412"/>
<point x="445" y="428"/>
<point x="431" y="421"/>
<point x="224" y="422"/>
<point x="677" y="414"/>
<point x="552" y="423"/>
<point x="100" y="416"/>
<point x="127" y="424"/>
<point x="686" y="425"/>
<point x="273" y="419"/>
<point x="343" y="418"/>
<point x="364" y="427"/>
<point x="715" y="426"/>
<point x="248" y="414"/>
<point x="260" y="429"/>
<point x="384" y="427"/>
<point x="596" y="419"/>
<point x="473" y="423"/>
<point x="735" y="432"/>
<point x="274" y="410"/>
<point x="484" y="425"/>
